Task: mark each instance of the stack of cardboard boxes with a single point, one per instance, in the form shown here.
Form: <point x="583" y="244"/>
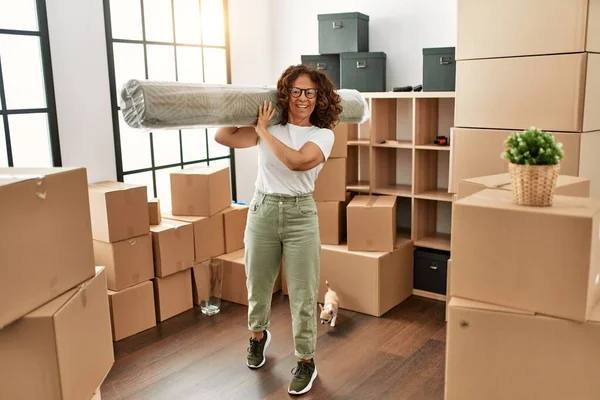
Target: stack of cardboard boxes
<point x="524" y="318"/>
<point x="514" y="73"/>
<point x="55" y="337"/>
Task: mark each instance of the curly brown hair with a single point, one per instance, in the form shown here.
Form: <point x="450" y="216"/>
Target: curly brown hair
<point x="327" y="110"/>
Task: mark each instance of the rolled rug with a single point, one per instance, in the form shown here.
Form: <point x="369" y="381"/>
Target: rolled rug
<point x="175" y="105"/>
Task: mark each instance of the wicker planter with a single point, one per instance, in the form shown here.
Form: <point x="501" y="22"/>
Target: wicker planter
<point x="533" y="185"/>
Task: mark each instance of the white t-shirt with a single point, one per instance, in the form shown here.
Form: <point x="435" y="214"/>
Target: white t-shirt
<point x="274" y="177"/>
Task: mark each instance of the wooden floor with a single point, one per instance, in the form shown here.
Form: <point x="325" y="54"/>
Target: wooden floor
<point x="191" y="356"/>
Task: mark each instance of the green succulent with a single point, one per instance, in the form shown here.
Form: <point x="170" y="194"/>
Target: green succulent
<point x="532" y="147"/>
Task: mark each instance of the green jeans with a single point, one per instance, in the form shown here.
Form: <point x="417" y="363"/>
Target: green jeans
<point x="284" y="227"/>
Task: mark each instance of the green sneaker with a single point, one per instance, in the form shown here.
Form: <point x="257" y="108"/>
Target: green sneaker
<point x="257" y="349"/>
<point x="305" y="374"/>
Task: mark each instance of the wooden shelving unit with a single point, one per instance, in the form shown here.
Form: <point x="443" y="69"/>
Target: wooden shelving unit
<point x="394" y="154"/>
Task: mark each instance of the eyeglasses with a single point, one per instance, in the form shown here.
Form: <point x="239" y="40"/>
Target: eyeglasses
<point x="309" y="93"/>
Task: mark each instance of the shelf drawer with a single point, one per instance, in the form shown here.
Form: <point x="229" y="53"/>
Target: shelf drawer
<point x="431" y="270"/>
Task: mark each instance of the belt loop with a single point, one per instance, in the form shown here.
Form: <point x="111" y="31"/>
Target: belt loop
<point x="296" y="197"/>
<point x="262" y="199"/>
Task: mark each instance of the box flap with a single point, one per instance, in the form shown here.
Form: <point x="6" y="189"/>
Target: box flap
<point x="491" y="181"/>
<point x="237" y="256"/>
<point x="185" y="218"/>
<point x="344" y="248"/>
<point x="373" y="201"/>
<point x="117" y="185"/>
<point x="562" y="205"/>
<point x="202" y="170"/>
<point x="14" y="174"/>
<point x="167" y="224"/>
<point x="457" y="302"/>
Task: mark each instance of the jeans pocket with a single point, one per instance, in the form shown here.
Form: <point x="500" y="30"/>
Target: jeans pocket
<point x="307" y="210"/>
<point x="253" y="207"/>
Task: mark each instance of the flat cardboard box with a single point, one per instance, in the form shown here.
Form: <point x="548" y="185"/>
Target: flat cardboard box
<point x="539" y="259"/>
<point x="209" y="235"/>
<point x="372" y="223"/>
<point x="173" y="247"/>
<point x="368" y="282"/>
<point x="477" y="152"/>
<point x="564" y="97"/>
<point x="565" y="186"/>
<point x="331" y="182"/>
<point x="62" y="350"/>
<point x="342" y="133"/>
<point x="132" y="310"/>
<point x="119" y="211"/>
<point x="154" y="211"/>
<point x="234" y="278"/>
<point x="128" y="262"/>
<point x="509" y="28"/>
<point x="332" y="221"/>
<point x="498" y="353"/>
<point x="45" y="237"/>
<point x="234" y="220"/>
<point x="200" y="191"/>
<point x="173" y="294"/>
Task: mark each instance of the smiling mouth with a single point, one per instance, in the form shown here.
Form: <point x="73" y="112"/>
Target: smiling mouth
<point x="302" y="106"/>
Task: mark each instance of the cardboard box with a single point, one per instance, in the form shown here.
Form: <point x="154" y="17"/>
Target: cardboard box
<point x="132" y="310"/>
<point x="331" y="182"/>
<point x="200" y="191"/>
<point x="173" y="294"/>
<point x="342" y="133"/>
<point x="45" y="237"/>
<point x="127" y="262"/>
<point x="173" y="245"/>
<point x="565" y="186"/>
<point x="332" y="221"/>
<point x="448" y="297"/>
<point x="154" y="211"/>
<point x="62" y="350"/>
<point x="209" y="235"/>
<point x="539" y="259"/>
<point x="498" y="353"/>
<point x="562" y="98"/>
<point x="234" y="219"/>
<point x="119" y="211"/>
<point x="477" y="152"/>
<point x="368" y="282"/>
<point x="372" y="223"/>
<point x="234" y="278"/>
<point x="513" y="28"/>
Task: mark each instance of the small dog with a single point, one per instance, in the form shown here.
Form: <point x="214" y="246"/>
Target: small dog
<point x="329" y="312"/>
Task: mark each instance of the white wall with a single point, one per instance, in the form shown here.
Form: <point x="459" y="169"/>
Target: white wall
<point x="79" y="64"/>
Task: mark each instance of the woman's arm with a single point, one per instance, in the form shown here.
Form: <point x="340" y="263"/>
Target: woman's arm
<point x="237" y="137"/>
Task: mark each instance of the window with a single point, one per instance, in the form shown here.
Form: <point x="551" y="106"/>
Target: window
<point x="170" y="40"/>
<point x="28" y="125"/>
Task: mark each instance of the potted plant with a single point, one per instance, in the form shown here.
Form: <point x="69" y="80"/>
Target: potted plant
<point x="534" y="165"/>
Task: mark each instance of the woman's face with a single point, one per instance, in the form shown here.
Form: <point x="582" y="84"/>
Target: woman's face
<point x="303" y="98"/>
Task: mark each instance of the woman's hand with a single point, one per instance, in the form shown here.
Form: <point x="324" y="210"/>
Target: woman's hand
<point x="266" y="112"/>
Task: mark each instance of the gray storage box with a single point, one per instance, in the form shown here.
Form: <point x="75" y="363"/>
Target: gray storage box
<point x="328" y="63"/>
<point x="365" y="72"/>
<point x="439" y="69"/>
<point x="345" y="32"/>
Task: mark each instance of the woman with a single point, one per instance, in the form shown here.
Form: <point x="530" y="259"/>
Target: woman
<point x="282" y="219"/>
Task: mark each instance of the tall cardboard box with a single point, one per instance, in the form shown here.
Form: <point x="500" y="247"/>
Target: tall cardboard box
<point x="132" y="310"/>
<point x="200" y="191"/>
<point x="342" y="133"/>
<point x="368" y="282"/>
<point x="332" y="221"/>
<point x="234" y="278"/>
<point x="538" y="259"/>
<point x="45" y="237"/>
<point x="173" y="245"/>
<point x="119" y="211"/>
<point x="372" y="223"/>
<point x="498" y="353"/>
<point x="519" y="28"/>
<point x="234" y="221"/>
<point x="128" y="262"/>
<point x="173" y="294"/>
<point x="565" y="185"/>
<point x="209" y="234"/>
<point x="62" y="350"/>
<point x="476" y="152"/>
<point x="154" y="213"/>
<point x="331" y="182"/>
<point x="564" y="97"/>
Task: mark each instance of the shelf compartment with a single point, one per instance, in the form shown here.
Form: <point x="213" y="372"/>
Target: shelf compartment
<point x="395" y="144"/>
<point x="391" y="119"/>
<point x="438" y="195"/>
<point x="357" y="169"/>
<point x="432" y="171"/>
<point x="432" y="224"/>
<point x="391" y="171"/>
<point x="433" y="117"/>
<point x="403" y="218"/>
<point x="358" y="186"/>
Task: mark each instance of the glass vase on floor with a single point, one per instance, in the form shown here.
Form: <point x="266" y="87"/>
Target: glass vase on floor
<point x="208" y="284"/>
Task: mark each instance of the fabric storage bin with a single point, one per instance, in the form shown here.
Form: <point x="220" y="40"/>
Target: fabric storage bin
<point x="365" y="72"/>
<point x="431" y="270"/>
<point x="327" y="63"/>
<point x="344" y="32"/>
<point x="439" y="69"/>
